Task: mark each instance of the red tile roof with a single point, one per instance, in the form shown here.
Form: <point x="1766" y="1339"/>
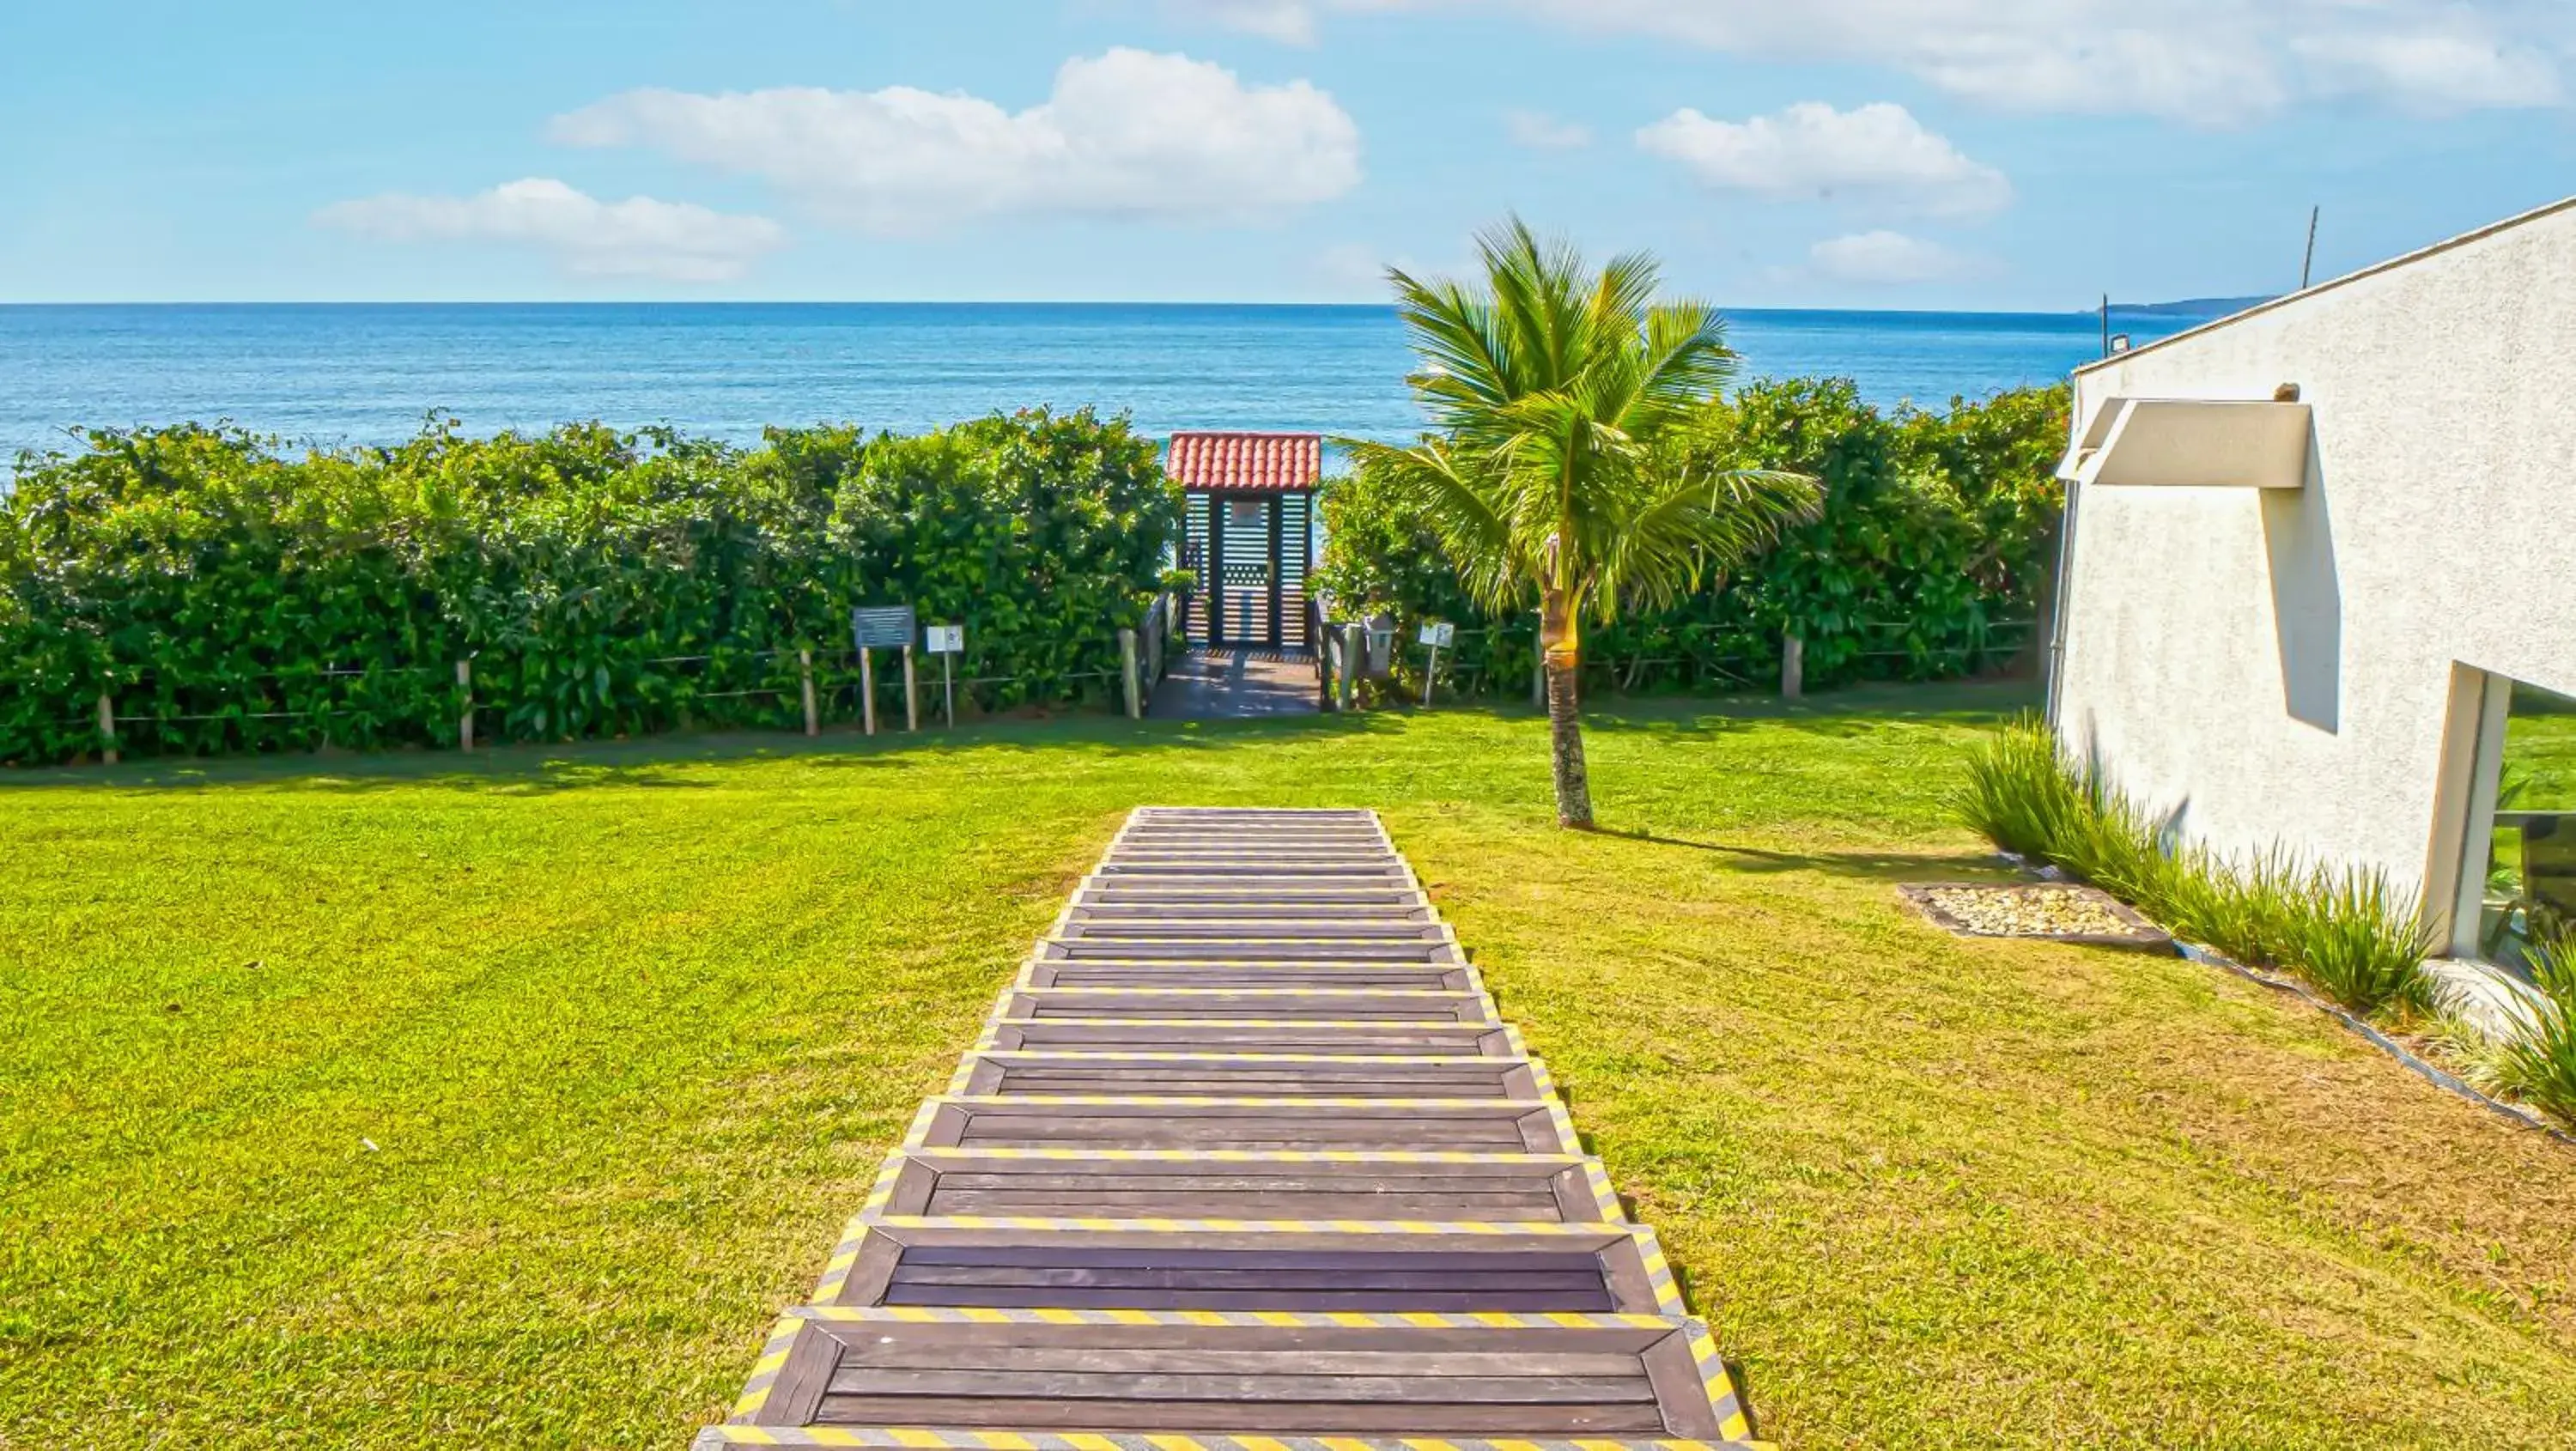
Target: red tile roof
<point x="1272" y="461"/>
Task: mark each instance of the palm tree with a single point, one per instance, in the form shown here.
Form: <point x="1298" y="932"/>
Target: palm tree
<point x="1563" y="403"/>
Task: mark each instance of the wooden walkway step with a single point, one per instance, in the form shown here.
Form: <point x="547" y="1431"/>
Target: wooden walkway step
<point x="1245" y="1160"/>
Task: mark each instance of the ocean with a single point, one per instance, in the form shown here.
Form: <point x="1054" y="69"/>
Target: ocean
<point x="339" y="374"/>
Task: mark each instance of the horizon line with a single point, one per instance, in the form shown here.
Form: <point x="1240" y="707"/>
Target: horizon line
<point x="2086" y="310"/>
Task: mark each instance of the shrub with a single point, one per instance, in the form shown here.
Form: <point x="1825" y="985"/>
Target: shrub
<point x="1937" y="529"/>
<point x="2349" y="933"/>
<point x="233" y="597"/>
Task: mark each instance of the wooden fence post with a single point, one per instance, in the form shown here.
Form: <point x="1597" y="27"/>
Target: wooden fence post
<point x="813" y="717"/>
<point x="867" y="689"/>
<point x="1127" y="667"/>
<point x="107" y="727"/>
<point x="911" y="706"/>
<point x="1793" y="667"/>
<point x="465" y="705"/>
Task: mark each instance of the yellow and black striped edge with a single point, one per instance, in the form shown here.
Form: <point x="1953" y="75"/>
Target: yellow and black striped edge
<point x="1410" y="994"/>
<point x="764" y="1371"/>
<point x="1650" y="1251"/>
<point x="1240" y="948"/>
<point x="1029" y="970"/>
<point x="1170" y="890"/>
<point x="1320" y="973"/>
<point x="1719" y="1385"/>
<point x="854" y="1237"/>
<point x="1096" y="880"/>
<point x="932" y="1438"/>
<point x="1256" y="1156"/>
<point x="995" y="1023"/>
<point x="1559" y="1121"/>
<point x="1596" y="1178"/>
<point x="1006" y="1008"/>
<point x="1541" y="1085"/>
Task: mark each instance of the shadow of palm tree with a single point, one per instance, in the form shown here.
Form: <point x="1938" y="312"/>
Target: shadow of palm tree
<point x="1881" y="866"/>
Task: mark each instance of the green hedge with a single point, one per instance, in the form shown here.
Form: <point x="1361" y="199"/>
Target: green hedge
<point x="231" y="597"/>
<point x="1938" y="531"/>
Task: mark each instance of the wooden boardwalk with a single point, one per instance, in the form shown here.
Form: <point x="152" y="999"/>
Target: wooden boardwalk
<point x="1246" y="1161"/>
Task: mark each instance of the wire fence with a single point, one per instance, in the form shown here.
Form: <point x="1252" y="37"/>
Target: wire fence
<point x="1491" y="659"/>
<point x="526" y="695"/>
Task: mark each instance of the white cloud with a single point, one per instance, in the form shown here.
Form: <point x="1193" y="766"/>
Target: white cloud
<point x="2438" y="72"/>
<point x="1876" y="155"/>
<point x="1885" y="259"/>
<point x="638" y="237"/>
<point x="1290" y="22"/>
<point x="1127" y="134"/>
<point x="2205" y="62"/>
<point x="1539" y="131"/>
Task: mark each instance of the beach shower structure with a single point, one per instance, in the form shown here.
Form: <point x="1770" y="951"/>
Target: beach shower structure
<point x="1250" y="537"/>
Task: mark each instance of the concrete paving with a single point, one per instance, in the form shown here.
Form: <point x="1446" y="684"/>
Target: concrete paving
<point x="2493" y="999"/>
<point x="1235" y="684"/>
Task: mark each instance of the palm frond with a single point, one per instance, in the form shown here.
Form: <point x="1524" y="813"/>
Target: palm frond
<point x="1698" y="524"/>
<point x="1472" y="524"/>
<point x="1558" y="394"/>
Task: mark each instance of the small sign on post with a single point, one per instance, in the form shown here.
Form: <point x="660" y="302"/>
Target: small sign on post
<point x="947" y="642"/>
<point x="870" y="628"/>
<point x="1439" y="634"/>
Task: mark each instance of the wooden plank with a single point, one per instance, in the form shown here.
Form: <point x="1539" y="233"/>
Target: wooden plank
<point x="1166" y="1275"/>
<point x="1425" y="977"/>
<point x="1417" y="1039"/>
<point x="1257" y="870"/>
<point x="1255" y="1004"/>
<point x="1503" y="1125"/>
<point x="1302" y="1297"/>
<point x="1283" y="1085"/>
<point x="1103" y="1250"/>
<point x="1412" y="1418"/>
<point x="1272" y="1385"/>
<point x="1058" y="1083"/>
<point x="1299" y="1333"/>
<point x="1246" y="1203"/>
<point x="1376" y="1179"/>
<point x="1026" y="1131"/>
<point x="1231" y="932"/>
<point x="1290" y="1075"/>
<point x="898" y="1353"/>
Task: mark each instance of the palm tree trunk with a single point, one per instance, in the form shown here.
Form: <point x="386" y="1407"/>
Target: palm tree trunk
<point x="1564" y="721"/>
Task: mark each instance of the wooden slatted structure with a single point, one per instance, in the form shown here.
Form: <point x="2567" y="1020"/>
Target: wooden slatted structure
<point x="1245" y="1160"/>
<point x="1248" y="534"/>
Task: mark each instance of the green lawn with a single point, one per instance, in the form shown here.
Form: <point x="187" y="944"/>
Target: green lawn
<point x="365" y="1102"/>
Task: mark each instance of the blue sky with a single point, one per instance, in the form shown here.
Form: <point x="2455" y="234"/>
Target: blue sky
<point x="1871" y="153"/>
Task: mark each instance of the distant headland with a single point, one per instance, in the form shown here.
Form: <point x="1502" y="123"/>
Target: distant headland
<point x="2189" y="307"/>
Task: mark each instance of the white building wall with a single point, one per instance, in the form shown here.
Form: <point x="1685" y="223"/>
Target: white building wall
<point x="2276" y="666"/>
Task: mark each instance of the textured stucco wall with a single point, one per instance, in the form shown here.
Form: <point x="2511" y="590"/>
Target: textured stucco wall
<point x="2276" y="666"/>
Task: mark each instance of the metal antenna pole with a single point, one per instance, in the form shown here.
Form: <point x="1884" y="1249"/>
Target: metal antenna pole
<point x="2308" y="268"/>
<point x="2106" y="324"/>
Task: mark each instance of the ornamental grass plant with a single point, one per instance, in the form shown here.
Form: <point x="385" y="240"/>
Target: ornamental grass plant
<point x="2535" y="1060"/>
<point x="2349" y="933"/>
